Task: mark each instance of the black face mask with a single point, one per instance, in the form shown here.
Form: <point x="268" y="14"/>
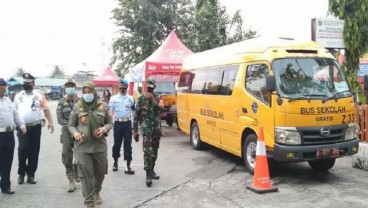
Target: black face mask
<point x="150" y="89"/>
<point x="27" y="87"/>
<point x="123" y="89"/>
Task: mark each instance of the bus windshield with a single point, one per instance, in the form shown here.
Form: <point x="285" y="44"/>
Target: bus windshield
<point x="165" y="88"/>
<point x="310" y="78"/>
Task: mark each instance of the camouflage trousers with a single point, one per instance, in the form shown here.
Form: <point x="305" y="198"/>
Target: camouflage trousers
<point x="67" y="152"/>
<point x="151" y="144"/>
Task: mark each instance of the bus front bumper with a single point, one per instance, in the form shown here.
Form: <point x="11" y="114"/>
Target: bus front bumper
<point x="306" y="153"/>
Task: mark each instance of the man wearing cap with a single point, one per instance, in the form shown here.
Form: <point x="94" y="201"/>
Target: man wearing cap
<point x="63" y="110"/>
<point x="121" y="106"/>
<point x="147" y="114"/>
<point x="9" y="118"/>
<point x="30" y="103"/>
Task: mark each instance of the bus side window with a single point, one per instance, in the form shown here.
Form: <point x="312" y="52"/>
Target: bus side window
<point x="228" y="80"/>
<point x="256" y="82"/>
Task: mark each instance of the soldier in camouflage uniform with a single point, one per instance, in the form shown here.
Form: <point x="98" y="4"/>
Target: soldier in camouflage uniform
<point x="64" y="108"/>
<point x="89" y="123"/>
<point x="147" y="114"/>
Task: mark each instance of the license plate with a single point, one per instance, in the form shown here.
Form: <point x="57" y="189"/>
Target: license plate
<point x="327" y="153"/>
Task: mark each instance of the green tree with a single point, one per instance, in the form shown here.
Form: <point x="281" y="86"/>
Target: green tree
<point x="19" y="72"/>
<point x="57" y="72"/>
<point x="214" y="28"/>
<point x="144" y="25"/>
<point x="240" y="34"/>
<point x="355" y="33"/>
<point x="210" y="22"/>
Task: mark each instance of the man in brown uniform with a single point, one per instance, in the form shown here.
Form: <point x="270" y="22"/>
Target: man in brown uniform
<point x="64" y="108"/>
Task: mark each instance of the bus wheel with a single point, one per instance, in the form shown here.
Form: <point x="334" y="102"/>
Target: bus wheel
<point x="195" y="138"/>
<point x="322" y="165"/>
<point x="169" y="121"/>
<point x="249" y="152"/>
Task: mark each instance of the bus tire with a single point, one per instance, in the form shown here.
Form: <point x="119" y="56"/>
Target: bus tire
<point x="249" y="152"/>
<point x="195" y="138"/>
<point x="322" y="165"/>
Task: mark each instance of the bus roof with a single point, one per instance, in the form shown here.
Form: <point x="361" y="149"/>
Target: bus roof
<point x="257" y="48"/>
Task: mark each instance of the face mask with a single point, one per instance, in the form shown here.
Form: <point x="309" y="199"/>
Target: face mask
<point x="150" y="89"/>
<point x="70" y="90"/>
<point x="88" y="97"/>
<point x="27" y="87"/>
<point x="123" y="89"/>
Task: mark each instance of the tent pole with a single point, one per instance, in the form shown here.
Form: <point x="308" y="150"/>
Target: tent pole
<point x="131" y="88"/>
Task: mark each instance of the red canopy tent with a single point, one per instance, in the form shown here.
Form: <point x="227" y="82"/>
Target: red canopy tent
<point x="163" y="65"/>
<point x="108" y="78"/>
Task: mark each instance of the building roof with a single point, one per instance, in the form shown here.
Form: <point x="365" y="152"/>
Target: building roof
<point x="40" y="81"/>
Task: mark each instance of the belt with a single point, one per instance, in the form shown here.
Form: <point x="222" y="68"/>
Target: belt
<point x="33" y="124"/>
<point x="6" y="129"/>
<point x="122" y="119"/>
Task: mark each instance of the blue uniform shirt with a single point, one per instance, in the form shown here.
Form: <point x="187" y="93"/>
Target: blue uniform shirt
<point x="121" y="105"/>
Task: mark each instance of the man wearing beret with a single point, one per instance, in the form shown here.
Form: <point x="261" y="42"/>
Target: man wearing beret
<point x="9" y="118"/>
<point x="121" y="106"/>
<point x="30" y="103"/>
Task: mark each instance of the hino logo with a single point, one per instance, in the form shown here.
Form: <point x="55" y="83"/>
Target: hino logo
<point x="325" y="131"/>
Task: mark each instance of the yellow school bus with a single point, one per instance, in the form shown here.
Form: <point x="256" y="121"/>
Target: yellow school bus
<point x="296" y="91"/>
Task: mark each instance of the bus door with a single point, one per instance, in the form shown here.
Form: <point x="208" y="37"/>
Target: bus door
<point x="258" y="103"/>
<point x="184" y="87"/>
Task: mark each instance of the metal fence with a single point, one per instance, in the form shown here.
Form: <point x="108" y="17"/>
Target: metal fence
<point x="362" y="120"/>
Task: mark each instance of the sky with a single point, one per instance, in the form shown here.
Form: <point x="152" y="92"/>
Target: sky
<point x="77" y="34"/>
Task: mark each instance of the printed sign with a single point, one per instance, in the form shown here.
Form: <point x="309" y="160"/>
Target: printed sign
<point x="328" y="32"/>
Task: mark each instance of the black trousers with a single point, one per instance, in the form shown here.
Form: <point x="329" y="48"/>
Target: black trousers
<point x="28" y="150"/>
<point x="122" y="132"/>
<point x="7" y="144"/>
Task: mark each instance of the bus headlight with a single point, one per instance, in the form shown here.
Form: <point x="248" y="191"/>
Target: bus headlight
<point x="288" y="135"/>
<point x="351" y="132"/>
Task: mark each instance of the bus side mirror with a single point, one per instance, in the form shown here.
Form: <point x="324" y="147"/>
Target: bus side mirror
<point x="271" y="83"/>
<point x="366" y="82"/>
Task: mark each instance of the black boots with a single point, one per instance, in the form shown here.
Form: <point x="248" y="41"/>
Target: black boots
<point x="154" y="175"/>
<point x="150" y="174"/>
<point x="115" y="166"/>
<point x="148" y="178"/>
<point x="128" y="170"/>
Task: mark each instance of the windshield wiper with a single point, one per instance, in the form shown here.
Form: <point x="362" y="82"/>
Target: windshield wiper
<point x="335" y="96"/>
<point x="306" y="97"/>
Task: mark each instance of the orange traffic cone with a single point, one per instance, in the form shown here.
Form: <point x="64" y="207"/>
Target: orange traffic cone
<point x="261" y="181"/>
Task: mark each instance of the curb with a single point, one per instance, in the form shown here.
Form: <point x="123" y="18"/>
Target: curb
<point x="360" y="160"/>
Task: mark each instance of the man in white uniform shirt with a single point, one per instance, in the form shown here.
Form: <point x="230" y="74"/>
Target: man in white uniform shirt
<point x="9" y="118"/>
<point x="121" y="106"/>
<point x="30" y="103"/>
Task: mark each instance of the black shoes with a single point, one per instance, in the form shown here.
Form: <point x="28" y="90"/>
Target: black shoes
<point x="115" y="166"/>
<point x="20" y="179"/>
<point x="154" y="175"/>
<point x="129" y="171"/>
<point x="148" y="178"/>
<point x="8" y="191"/>
<point x="31" y="180"/>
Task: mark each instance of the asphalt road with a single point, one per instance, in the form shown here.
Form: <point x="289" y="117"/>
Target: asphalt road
<point x="189" y="178"/>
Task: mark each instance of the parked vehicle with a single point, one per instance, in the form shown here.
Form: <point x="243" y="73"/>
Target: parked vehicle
<point x="296" y="91"/>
